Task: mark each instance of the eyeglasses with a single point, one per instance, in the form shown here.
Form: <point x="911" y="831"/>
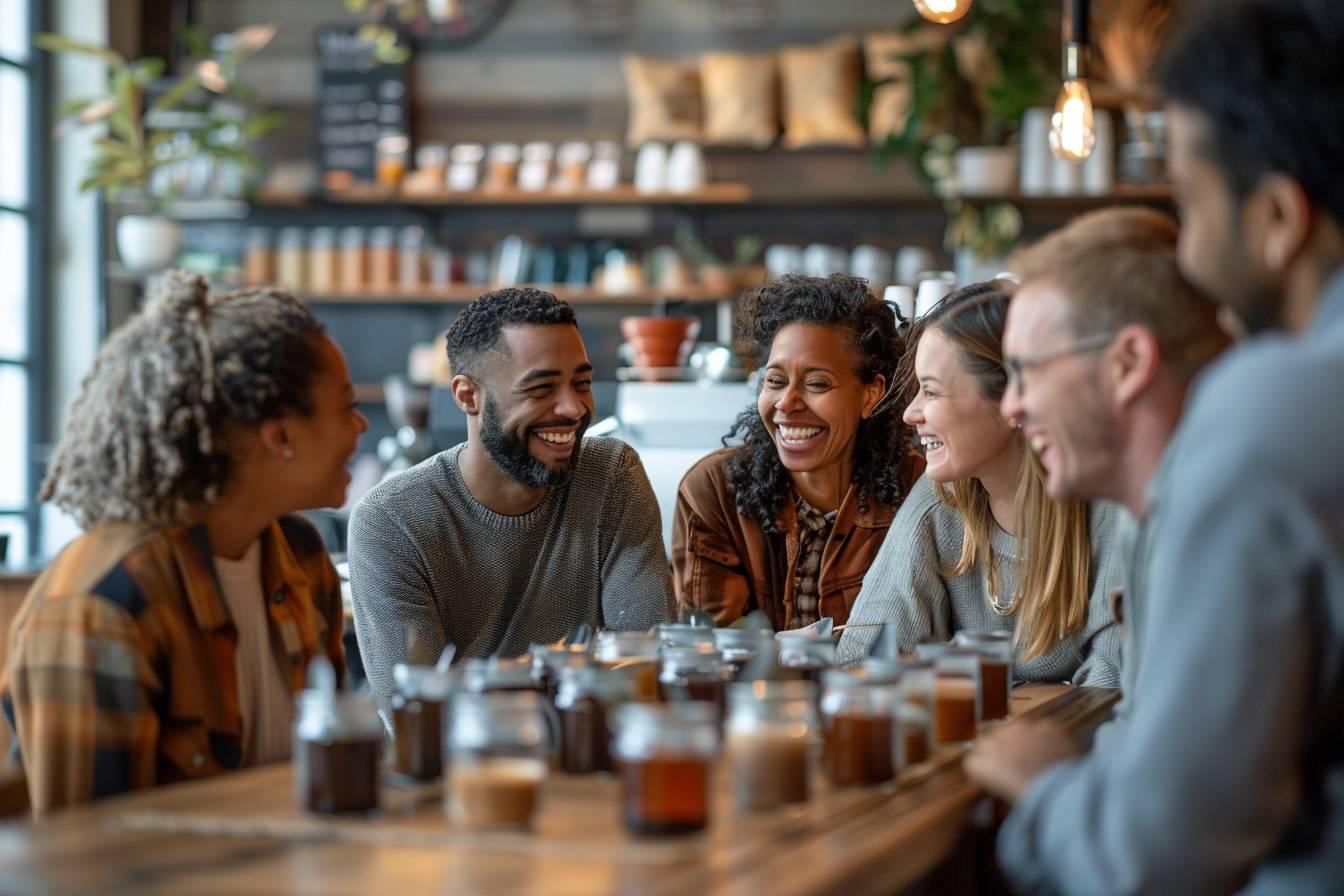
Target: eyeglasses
<point x="1017" y="366"/>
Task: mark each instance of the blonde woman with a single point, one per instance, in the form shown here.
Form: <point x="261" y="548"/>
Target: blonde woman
<point x="167" y="642"/>
<point x="978" y="545"/>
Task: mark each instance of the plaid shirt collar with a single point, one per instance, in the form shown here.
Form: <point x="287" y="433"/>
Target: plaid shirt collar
<point x="280" y="571"/>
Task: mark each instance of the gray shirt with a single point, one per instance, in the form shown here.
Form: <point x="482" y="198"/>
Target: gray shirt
<point x="905" y="586"/>
<point x="1229" y="773"/>
<point x="428" y="559"/>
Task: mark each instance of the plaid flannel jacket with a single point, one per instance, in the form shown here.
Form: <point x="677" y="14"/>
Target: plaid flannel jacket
<point x="121" y="673"/>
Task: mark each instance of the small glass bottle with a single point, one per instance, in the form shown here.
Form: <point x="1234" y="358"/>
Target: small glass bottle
<point x="338" y="742"/>
<point x="393" y="153"/>
<point x="635" y="651"/>
<point x="956" y="692"/>
<point x="290" y="255"/>
<point x="382" y="257"/>
<point x="418" y="713"/>
<point x="695" y="674"/>
<point x="353" y="269"/>
<point x="996" y="670"/>
<point x="258" y="257"/>
<point x="665" y="753"/>
<point x="860" y="729"/>
<point x="768" y="742"/>
<point x="322" y="260"/>
<point x="586" y="700"/>
<point x="411" y="257"/>
<point x="497" y="745"/>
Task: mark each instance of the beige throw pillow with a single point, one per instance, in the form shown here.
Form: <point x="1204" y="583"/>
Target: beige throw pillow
<point x="821" y="94"/>
<point x="664" y="99"/>
<point x="741" y="98"/>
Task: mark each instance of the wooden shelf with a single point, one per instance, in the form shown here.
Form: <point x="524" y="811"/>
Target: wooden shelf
<point x="711" y="194"/>
<point x="466" y="292"/>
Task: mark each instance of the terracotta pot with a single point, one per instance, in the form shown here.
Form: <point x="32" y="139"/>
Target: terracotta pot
<point x="660" y="341"/>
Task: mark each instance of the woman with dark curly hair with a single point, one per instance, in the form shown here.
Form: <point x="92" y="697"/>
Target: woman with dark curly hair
<point x="789" y="521"/>
<point x="168" y="640"/>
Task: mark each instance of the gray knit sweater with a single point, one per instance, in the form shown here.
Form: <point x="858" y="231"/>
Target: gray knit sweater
<point x="427" y="558"/>
<point x="904" y="586"/>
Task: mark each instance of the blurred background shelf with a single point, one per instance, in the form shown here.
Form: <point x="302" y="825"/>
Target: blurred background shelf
<point x="466" y="292"/>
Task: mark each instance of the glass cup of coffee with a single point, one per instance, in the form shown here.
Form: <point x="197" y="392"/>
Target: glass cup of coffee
<point x="996" y="671"/>
<point x="497" y="745"/>
<point x="338" y="743"/>
<point x="915" y="714"/>
<point x="956" y="692"/>
<point x="666" y="754"/>
<point x="768" y="742"/>
<point x="860" y="719"/>
<point x="695" y="673"/>
<point x="586" y="701"/>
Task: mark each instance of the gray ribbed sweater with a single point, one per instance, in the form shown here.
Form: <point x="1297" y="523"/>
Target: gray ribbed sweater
<point x="426" y="557"/>
<point x="903" y="586"/>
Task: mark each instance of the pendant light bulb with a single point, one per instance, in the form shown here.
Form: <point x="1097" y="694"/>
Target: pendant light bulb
<point x="942" y="11"/>
<point x="1073" y="132"/>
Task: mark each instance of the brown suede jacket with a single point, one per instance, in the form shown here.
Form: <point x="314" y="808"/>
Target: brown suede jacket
<point x="725" y="563"/>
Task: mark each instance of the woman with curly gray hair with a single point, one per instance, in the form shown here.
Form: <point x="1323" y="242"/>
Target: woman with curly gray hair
<point x="789" y="521"/>
<point x="168" y="640"/>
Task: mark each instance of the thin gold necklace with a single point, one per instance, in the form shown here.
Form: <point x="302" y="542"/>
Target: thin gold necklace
<point x="1001" y="609"/>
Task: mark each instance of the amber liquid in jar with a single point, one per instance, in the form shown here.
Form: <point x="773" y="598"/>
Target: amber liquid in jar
<point x="666" y="794"/>
<point x="419" y="738"/>
<point x="914" y="745"/>
<point x="585" y="739"/>
<point x="954" y="710"/>
<point x="708" y="690"/>
<point x="859" y="749"/>
<point x="259" y="266"/>
<point x="338" y="776"/>
<point x="993" y="690"/>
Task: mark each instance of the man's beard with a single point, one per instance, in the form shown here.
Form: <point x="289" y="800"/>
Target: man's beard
<point x="510" y="452"/>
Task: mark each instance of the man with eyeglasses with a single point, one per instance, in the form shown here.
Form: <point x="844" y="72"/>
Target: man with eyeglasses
<point x="1229" y="776"/>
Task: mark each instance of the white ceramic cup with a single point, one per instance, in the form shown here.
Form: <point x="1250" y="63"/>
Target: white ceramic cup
<point x="685" y="168"/>
<point x="651" y="168"/>
<point x="903" y="297"/>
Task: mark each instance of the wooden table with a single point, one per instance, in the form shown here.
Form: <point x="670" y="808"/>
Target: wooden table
<point x="239" y="834"/>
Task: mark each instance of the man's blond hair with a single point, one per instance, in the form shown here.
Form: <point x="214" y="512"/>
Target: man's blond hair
<point x="1116" y="267"/>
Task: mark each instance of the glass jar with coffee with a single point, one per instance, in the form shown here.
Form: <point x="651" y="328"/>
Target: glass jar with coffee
<point x="338" y="742"/>
<point x="996" y="670"/>
<point x="497" y="745"/>
<point x="635" y="651"/>
<point x="768" y="742"/>
<point x="695" y="674"/>
<point x="549" y="660"/>
<point x="587" y="699"/>
<point x="860" y="719"/>
<point x="915" y="714"/>
<point x="418" y="714"/>
<point x="666" y="754"/>
<point x="956" y="692"/>
<point x="681" y="634"/>
<point x="807" y="655"/>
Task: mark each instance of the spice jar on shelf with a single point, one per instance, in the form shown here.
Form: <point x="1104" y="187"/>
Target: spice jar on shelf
<point x="604" y="171"/>
<point x="431" y="162"/>
<point x="382" y="257"/>
<point x="322" y="267"/>
<point x="411" y="257"/>
<point x="464" y="170"/>
<point x="289" y="259"/>
<point x="393" y="153"/>
<point x="258" y="257"/>
<point x="502" y="166"/>
<point x="572" y="166"/>
<point x="535" y="172"/>
<point x="352" y="272"/>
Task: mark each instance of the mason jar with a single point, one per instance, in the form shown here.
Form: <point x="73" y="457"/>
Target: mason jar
<point x="666" y="755"/>
<point x="860" y="720"/>
<point x="636" y="651"/>
<point x="808" y="656"/>
<point x="740" y="646"/>
<point x="418" y="718"/>
<point x="481" y="674"/>
<point x="338" y="743"/>
<point x="916" y="711"/>
<point x="695" y="674"/>
<point x="996" y="670"/>
<point x="497" y="745"/>
<point x="680" y="634"/>
<point x="586" y="700"/>
<point x="768" y="741"/>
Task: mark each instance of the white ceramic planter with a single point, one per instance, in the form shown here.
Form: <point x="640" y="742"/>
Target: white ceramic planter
<point x="147" y="243"/>
<point x="985" y="170"/>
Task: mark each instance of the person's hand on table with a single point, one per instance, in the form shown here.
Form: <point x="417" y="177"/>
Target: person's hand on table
<point x="1007" y="759"/>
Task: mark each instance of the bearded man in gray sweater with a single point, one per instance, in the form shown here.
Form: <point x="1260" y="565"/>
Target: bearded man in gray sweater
<point x="525" y="530"/>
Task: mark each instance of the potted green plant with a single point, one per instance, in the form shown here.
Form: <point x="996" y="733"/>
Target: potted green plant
<point x="143" y="141"/>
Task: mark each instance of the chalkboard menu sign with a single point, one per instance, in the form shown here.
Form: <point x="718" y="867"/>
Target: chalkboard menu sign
<point x="360" y="99"/>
